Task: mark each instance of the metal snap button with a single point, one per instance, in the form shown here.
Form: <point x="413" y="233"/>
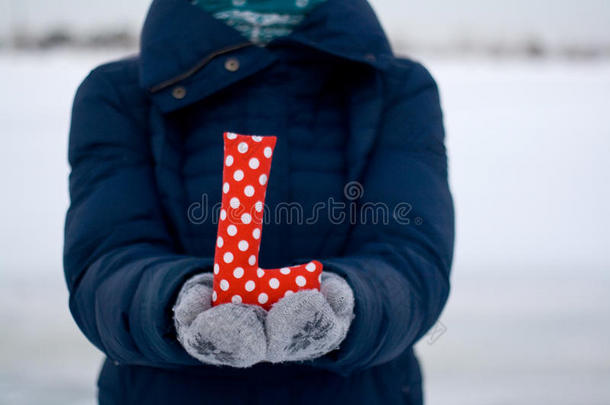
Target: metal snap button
<point x="232" y="64"/>
<point x="179" y="92"/>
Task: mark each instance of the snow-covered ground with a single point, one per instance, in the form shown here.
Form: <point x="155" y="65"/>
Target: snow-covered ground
<point x="527" y="322"/>
<point x="550" y="25"/>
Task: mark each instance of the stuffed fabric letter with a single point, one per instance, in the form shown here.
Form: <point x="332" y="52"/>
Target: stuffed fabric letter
<point x="242" y="314"/>
<point x="237" y="277"/>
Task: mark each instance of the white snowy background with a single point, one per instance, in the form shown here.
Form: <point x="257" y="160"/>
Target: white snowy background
<point x="528" y="320"/>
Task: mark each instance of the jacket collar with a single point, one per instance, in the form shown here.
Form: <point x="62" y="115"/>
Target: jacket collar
<point x="180" y="45"/>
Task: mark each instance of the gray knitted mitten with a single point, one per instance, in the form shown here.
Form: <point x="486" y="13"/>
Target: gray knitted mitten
<point x="300" y="326"/>
<point x="309" y="324"/>
<point x="228" y="334"/>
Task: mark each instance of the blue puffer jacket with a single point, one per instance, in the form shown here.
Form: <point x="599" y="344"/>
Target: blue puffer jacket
<point x="146" y="155"/>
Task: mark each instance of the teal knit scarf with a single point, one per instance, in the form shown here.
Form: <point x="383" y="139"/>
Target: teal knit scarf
<point x="260" y="20"/>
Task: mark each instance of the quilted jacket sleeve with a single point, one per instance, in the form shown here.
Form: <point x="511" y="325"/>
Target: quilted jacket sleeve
<point x="120" y="265"/>
<point x="399" y="271"/>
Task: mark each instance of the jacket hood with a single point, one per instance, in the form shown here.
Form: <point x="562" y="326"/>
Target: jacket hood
<point x="178" y="39"/>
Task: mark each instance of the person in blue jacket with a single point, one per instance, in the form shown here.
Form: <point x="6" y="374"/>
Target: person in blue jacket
<point x="357" y="128"/>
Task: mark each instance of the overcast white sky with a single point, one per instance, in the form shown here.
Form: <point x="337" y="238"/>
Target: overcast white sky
<point x="436" y="22"/>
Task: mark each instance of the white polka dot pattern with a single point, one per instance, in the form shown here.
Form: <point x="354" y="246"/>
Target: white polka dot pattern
<point x="237" y="276"/>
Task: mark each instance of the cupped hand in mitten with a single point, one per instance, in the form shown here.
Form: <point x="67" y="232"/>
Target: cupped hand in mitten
<point x="229" y="334"/>
<point x="310" y="323"/>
